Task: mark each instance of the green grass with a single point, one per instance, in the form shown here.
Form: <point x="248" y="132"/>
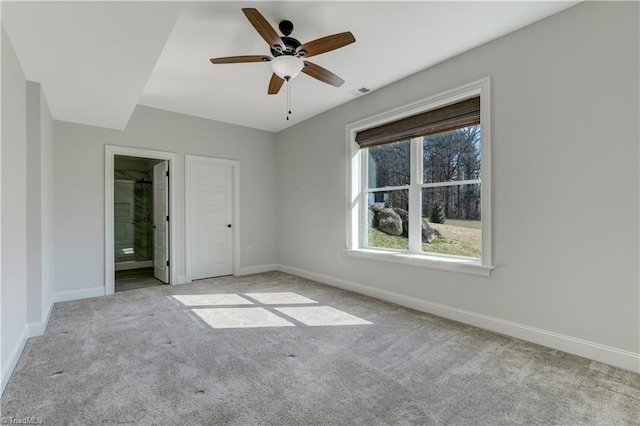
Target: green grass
<point x="382" y="240"/>
<point x="475" y="224"/>
<point x="459" y="238"/>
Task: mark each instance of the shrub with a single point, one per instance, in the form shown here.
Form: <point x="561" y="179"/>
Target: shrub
<point x="437" y="214"/>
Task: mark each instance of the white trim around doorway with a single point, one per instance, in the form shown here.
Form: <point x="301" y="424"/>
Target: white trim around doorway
<point x="110" y="153"/>
<point x="235" y="189"/>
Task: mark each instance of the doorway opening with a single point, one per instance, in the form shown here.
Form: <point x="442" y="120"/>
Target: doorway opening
<point x="139" y="194"/>
<point x="139" y="241"/>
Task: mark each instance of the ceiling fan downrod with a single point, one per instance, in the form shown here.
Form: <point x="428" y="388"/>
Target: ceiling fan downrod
<point x="288" y="79"/>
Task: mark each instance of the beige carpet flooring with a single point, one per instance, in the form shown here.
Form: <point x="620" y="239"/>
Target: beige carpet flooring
<point x="274" y="349"/>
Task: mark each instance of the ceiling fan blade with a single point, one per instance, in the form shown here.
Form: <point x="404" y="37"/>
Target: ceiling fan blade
<point x="326" y="44"/>
<point x="319" y="73"/>
<point x="275" y="84"/>
<point x="263" y="27"/>
<point x="240" y="59"/>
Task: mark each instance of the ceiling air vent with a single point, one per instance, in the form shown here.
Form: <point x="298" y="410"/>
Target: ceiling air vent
<point x="360" y="91"/>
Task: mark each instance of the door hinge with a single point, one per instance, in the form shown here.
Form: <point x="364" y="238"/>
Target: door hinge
<point x="167" y="218"/>
<point x="167" y="263"/>
<point x="167" y="173"/>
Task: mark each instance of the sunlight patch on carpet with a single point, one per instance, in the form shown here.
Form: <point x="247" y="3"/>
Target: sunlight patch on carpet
<point x="211" y="299"/>
<point x="321" y="315"/>
<point x="231" y="310"/>
<point x="283" y="298"/>
<point x="241" y="318"/>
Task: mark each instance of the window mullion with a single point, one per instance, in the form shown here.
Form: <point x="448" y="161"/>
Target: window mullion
<point x="387" y="189"/>
<point x="415" y="216"/>
<point x="451" y="183"/>
<point x="363" y="194"/>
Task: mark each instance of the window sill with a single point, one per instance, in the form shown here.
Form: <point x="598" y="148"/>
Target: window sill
<point x="463" y="266"/>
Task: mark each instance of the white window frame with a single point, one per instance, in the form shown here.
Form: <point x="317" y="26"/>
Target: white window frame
<point x="356" y="244"/>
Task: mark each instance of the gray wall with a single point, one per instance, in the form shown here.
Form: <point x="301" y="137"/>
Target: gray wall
<point x="46" y="206"/>
<point x="39" y="205"/>
<point x="79" y="187"/>
<point x="26" y="198"/>
<point x="14" y="208"/>
<point x="565" y="116"/>
<point x="34" y="196"/>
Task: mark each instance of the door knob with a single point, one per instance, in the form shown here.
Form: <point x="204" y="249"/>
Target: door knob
<point x="229" y="226"/>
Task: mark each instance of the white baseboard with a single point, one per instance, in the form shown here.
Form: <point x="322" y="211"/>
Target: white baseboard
<point x="257" y="269"/>
<point x="85" y="293"/>
<point x="181" y="280"/>
<point x="133" y="264"/>
<point x="38" y="328"/>
<point x="584" y="348"/>
<point x="13" y="358"/>
<point x="50" y="305"/>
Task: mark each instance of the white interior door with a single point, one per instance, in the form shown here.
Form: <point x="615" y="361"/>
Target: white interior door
<point x="210" y="238"/>
<point x="161" y="221"/>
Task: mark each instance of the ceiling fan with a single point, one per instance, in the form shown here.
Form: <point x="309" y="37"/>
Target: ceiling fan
<point x="288" y="53"/>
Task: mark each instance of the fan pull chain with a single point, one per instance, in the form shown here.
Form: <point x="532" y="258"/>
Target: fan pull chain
<point x="288" y="98"/>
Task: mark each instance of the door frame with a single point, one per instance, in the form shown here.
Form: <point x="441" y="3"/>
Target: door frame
<point x="109" y="244"/>
<point x="235" y="205"/>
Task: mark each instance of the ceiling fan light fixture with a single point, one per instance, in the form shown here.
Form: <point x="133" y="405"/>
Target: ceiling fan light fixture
<point x="287" y="66"/>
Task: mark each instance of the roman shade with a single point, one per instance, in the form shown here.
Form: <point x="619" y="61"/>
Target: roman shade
<point x="450" y="117"/>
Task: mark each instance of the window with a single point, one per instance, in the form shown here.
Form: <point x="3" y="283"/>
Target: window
<point x="420" y="183"/>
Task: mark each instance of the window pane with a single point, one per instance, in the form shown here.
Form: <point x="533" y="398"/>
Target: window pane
<point x="453" y="212"/>
<point x="388" y="219"/>
<point x="452" y="156"/>
<point x="390" y="164"/>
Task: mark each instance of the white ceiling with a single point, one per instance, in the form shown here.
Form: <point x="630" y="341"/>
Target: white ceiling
<point x="97" y="60"/>
<point x="93" y="59"/>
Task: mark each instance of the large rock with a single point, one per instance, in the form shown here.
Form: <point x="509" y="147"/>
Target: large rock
<point x="404" y="215"/>
<point x="373" y="214"/>
<point x="428" y="233"/>
<point x="395" y="221"/>
<point x="386" y="220"/>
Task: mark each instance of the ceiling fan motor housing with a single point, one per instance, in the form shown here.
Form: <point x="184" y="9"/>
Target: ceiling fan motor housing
<point x="290" y="43"/>
<point x="290" y="46"/>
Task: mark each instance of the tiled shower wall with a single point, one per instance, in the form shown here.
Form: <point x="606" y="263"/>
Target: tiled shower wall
<point x="133" y="209"/>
